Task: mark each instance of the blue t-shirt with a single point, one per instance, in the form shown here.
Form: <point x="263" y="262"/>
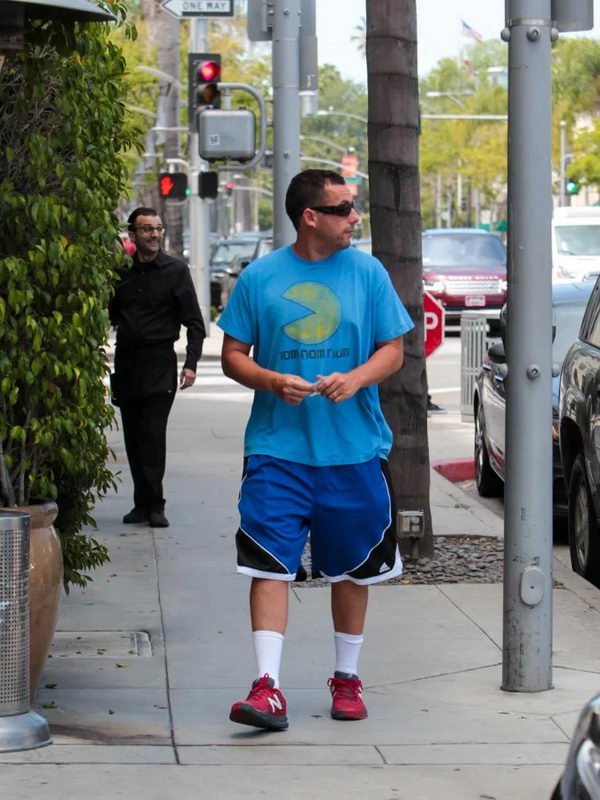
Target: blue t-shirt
<point x="312" y="318"/>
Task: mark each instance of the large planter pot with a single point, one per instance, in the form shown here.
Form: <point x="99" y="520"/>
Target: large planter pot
<point x="45" y="585"/>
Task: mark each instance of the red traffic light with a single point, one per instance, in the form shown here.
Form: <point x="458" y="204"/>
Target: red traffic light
<point x="173" y="185"/>
<point x="209" y="71"/>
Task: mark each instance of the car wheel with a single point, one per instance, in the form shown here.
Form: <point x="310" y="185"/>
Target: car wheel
<point x="584" y="535"/>
<point x="488" y="483"/>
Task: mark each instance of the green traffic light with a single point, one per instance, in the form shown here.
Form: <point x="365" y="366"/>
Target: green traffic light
<point x="572" y="187"/>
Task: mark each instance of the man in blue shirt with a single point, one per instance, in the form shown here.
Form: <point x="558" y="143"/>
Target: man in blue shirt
<point x="326" y="326"/>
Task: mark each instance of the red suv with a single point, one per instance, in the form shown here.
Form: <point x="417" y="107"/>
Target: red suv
<point x="465" y="269"/>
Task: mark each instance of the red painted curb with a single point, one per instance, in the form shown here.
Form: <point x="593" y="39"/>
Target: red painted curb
<point x="456" y="471"/>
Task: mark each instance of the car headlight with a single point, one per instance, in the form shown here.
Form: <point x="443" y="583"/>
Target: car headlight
<point x="434" y="285"/>
<point x="564" y="273"/>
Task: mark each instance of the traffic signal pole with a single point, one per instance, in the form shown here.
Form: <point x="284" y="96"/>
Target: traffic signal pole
<point x="527" y="628"/>
<point x="286" y="113"/>
<point x="198" y="208"/>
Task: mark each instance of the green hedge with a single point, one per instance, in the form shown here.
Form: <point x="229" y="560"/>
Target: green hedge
<point x="63" y="128"/>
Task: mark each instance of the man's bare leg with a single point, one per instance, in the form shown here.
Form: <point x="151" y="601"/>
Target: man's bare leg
<point x="349" y="607"/>
<point x="269" y="605"/>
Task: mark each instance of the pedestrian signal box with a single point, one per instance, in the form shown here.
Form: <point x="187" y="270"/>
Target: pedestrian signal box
<point x="208" y="185"/>
<point x="173" y="185"/>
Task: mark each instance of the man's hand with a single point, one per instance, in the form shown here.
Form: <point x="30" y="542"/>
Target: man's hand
<point x="338" y="386"/>
<point x="292" y="389"/>
<point x="187" y="379"/>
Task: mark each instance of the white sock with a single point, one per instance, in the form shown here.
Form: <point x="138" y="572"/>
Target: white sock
<point x="267" y="649"/>
<point x="347" y="651"/>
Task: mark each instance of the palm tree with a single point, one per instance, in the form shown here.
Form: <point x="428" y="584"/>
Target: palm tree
<point x="361" y="36"/>
<point x="391" y="39"/>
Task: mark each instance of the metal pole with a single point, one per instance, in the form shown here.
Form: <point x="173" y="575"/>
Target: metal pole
<point x="286" y="113"/>
<point x="563" y="154"/>
<point x="198" y="209"/>
<point x="527" y="630"/>
<point x="438" y="200"/>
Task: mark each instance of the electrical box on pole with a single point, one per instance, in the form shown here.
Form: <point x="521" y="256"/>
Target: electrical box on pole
<point x="573" y="15"/>
<point x="227" y="133"/>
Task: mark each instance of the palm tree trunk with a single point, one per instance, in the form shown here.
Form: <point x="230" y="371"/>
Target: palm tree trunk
<point x="396" y="232"/>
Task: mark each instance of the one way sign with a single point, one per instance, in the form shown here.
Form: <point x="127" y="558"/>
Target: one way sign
<point x="198" y="8"/>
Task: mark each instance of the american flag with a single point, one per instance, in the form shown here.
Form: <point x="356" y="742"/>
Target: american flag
<point x="471" y="33"/>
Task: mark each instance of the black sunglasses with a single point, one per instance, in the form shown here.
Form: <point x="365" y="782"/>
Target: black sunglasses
<point x="341" y="210"/>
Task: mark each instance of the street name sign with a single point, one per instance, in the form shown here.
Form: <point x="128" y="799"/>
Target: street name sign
<point x="433" y="318"/>
<point x="198" y="8"/>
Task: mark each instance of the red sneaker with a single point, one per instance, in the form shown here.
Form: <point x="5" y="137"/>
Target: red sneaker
<point x="264" y="707"/>
<point x="346" y="691"/>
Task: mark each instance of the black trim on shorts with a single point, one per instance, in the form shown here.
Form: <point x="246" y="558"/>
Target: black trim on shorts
<point x="252" y="556"/>
<point x="384" y="554"/>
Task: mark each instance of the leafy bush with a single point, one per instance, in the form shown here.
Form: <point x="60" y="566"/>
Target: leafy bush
<point x="62" y="129"/>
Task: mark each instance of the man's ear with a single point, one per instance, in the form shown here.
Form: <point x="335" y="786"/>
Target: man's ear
<point x="309" y="217"/>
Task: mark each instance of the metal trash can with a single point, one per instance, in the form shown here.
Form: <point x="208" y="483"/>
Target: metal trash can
<point x="20" y="728"/>
<point x="473" y="347"/>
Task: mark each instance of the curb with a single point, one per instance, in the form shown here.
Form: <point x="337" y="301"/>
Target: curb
<point x="456" y="470"/>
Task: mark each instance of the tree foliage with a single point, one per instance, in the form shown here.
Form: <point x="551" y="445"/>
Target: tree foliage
<point x="63" y="127"/>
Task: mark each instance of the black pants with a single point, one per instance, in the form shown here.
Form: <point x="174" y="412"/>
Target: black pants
<point x="145" y="434"/>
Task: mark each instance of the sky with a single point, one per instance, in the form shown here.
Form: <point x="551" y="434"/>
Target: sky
<point x="438" y="25"/>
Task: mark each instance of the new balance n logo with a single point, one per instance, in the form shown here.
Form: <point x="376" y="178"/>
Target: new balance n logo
<point x="275" y="703"/>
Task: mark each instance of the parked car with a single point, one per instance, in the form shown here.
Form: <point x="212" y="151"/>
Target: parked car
<point x="489" y="401"/>
<point x="362" y="244"/>
<point x="579" y="432"/>
<point x="464" y="269"/>
<point x="575" y="242"/>
<point x="581" y="777"/>
<point x="227" y="256"/>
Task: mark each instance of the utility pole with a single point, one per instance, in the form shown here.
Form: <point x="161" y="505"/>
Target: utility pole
<point x="527" y="662"/>
<point x="286" y="112"/>
<point x="198" y="209"/>
<point x="563" y="156"/>
<point x="527" y="629"/>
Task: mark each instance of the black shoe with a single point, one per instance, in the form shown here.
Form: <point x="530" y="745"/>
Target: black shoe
<point x="301" y="574"/>
<point x="433" y="408"/>
<point x="136" y="515"/>
<point x="157" y="519"/>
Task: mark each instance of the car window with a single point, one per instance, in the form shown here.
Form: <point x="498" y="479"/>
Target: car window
<point x="567" y="319"/>
<point x="225" y="252"/>
<point x="264" y="246"/>
<point x="456" y="250"/>
<point x="590" y="327"/>
<point x="578" y="240"/>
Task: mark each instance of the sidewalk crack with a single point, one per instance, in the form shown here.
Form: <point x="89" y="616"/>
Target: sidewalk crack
<point x="166" y="661"/>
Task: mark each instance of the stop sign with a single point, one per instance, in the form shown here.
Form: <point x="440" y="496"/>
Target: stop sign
<point x="433" y="323"/>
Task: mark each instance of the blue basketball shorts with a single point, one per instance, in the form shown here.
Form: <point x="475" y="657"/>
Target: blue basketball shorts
<point x="347" y="510"/>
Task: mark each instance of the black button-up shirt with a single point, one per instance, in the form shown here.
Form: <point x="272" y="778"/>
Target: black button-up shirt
<point x="151" y="302"/>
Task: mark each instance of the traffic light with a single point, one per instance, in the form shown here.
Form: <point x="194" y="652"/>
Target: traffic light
<point x="204" y="74"/>
<point x="208" y="185"/>
<point x="173" y="185"/>
<point x="229" y="188"/>
<point x="571" y="186"/>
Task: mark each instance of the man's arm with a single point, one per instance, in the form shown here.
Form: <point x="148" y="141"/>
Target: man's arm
<point x="387" y="359"/>
<point x="191" y="317"/>
<point x="237" y="364"/>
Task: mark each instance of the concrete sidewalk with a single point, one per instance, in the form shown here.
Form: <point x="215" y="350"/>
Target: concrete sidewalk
<point x="149" y="658"/>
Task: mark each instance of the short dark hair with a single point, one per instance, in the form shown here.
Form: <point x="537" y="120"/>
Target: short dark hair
<point x="306" y="190"/>
<point x="140" y="212"/>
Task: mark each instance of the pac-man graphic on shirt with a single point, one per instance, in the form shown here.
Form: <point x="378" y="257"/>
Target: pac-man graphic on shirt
<point x="322" y="318"/>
